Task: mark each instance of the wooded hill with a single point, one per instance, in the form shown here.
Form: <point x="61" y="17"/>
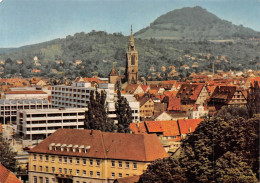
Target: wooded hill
<point x="98" y="50"/>
<point x="194" y="23"/>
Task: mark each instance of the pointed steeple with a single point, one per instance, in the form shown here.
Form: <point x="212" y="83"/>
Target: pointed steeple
<point x="131" y="41"/>
<point x="113" y="71"/>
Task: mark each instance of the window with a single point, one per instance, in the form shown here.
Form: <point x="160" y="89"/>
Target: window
<point x="135" y="165"/>
<point x="120" y="164"/>
<point x="113" y="163"/>
<point x="77" y="182"/>
<point x="84" y="161"/>
<point x="91" y="162"/>
<point x="52" y="158"/>
<point x="84" y="173"/>
<point x="60" y="159"/>
<point x="65" y="170"/>
<point x="70" y="160"/>
<point x="70" y="171"/>
<point x="53" y="169"/>
<point x="46" y="169"/>
<point x="91" y="173"/>
<point x="77" y="172"/>
<point x="120" y="175"/>
<point x="53" y="180"/>
<point x="60" y="170"/>
<point x="46" y="158"/>
<point x="98" y="174"/>
<point x="41" y="180"/>
<point x="46" y="180"/>
<point x="127" y="175"/>
<point x="77" y="161"/>
<point x="98" y="162"/>
<point x="34" y="157"/>
<point x="65" y="159"/>
<point x="34" y="167"/>
<point x="40" y="157"/>
<point x="34" y="179"/>
<point x="40" y="169"/>
<point x="113" y="175"/>
<point x="127" y="164"/>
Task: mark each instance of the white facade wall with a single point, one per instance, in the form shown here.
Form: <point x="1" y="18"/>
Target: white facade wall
<point x="38" y="124"/>
<point x="26" y="96"/>
<point x="9" y="108"/>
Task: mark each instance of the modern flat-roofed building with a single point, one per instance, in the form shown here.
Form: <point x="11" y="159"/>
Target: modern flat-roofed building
<point x="9" y="108"/>
<point x="39" y="124"/>
<point x="26" y="94"/>
<point x="71" y="155"/>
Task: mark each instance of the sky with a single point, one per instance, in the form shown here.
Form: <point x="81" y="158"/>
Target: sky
<point x="24" y="22"/>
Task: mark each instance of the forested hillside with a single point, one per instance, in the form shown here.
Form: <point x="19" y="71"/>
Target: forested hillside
<point x="194" y="23"/>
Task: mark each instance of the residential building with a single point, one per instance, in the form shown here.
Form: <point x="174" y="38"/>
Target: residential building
<point x="146" y="107"/>
<point x="9" y="108"/>
<point x="198" y="111"/>
<point x="72" y="155"/>
<point x="227" y="95"/>
<point x="193" y="94"/>
<point x="39" y="124"/>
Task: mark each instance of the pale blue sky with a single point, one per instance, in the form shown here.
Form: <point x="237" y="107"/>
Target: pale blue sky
<point x="24" y="22"/>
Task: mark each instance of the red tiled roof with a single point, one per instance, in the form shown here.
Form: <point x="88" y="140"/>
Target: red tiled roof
<point x="174" y="104"/>
<point x="138" y="128"/>
<point x="224" y="92"/>
<point x="188" y="125"/>
<point x="144" y="87"/>
<point x="7" y="176"/>
<point x="190" y="91"/>
<point x="26" y="92"/>
<point x="168" y="128"/>
<point x="140" y="147"/>
<point x="130" y="88"/>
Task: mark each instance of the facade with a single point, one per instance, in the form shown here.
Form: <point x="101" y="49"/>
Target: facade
<point x="92" y="156"/>
<point x="131" y="62"/>
<point x="227" y="95"/>
<point x="146" y="107"/>
<point x="198" y="111"/>
<point x="39" y="124"/>
<point x="9" y="108"/>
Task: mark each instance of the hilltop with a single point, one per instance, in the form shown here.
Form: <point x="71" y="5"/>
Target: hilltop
<point x="194" y="23"/>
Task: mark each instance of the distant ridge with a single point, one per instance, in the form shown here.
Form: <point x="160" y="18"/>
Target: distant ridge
<point x="194" y="23"/>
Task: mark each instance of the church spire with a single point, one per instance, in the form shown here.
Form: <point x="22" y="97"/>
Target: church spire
<point x="131" y="41"/>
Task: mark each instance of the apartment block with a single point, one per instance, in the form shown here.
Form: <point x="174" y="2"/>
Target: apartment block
<point x="80" y="156"/>
<point x="39" y="124"/>
<point x="9" y="108"/>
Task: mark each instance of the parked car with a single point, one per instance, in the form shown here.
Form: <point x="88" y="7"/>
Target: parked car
<point x="26" y="148"/>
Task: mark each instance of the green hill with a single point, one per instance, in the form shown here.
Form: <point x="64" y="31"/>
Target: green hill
<point x="194" y="23"/>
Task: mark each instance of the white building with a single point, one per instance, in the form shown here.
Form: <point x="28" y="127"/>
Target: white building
<point x="38" y="124"/>
<point x="26" y="94"/>
<point x="77" y="96"/>
<point x="9" y="108"/>
<point x="198" y="111"/>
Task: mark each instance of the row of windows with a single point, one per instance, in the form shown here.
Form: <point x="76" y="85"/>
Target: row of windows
<point x="64" y="159"/>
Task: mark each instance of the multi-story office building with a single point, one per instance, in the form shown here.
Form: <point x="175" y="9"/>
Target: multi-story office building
<point x="80" y="156"/>
<point x="77" y="96"/>
<point x="38" y="124"/>
<point x="9" y="108"/>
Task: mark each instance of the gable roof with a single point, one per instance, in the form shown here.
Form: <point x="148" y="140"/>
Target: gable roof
<point x="6" y="176"/>
<point x="143" y="100"/>
<point x="130" y="88"/>
<point x="140" y="147"/>
<point x="174" y="104"/>
<point x="224" y="92"/>
<point x="168" y="128"/>
<point x="138" y="128"/>
<point x="131" y="179"/>
<point x="190" y="91"/>
<point x="188" y="125"/>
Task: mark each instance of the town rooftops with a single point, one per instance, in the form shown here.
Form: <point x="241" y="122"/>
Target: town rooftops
<point x="168" y="128"/>
<point x="7" y="176"/>
<point x="188" y="125"/>
<point x="136" y="147"/>
<point x="190" y="91"/>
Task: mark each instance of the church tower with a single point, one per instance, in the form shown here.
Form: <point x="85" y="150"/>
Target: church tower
<point x="131" y="61"/>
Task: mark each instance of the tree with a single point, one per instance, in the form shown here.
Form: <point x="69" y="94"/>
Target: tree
<point x="219" y="150"/>
<point x="253" y="99"/>
<point x="96" y="116"/>
<point x="7" y="155"/>
<point x="123" y="112"/>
